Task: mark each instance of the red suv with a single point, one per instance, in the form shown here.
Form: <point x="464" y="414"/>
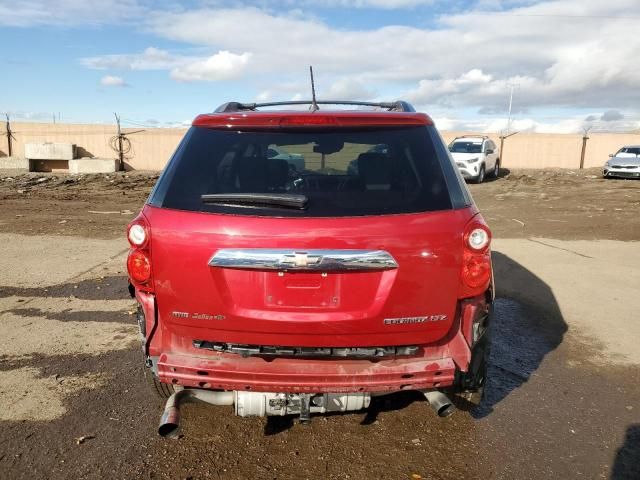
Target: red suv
<point x="298" y="262"/>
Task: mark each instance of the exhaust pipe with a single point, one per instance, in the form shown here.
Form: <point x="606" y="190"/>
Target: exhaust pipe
<point x="170" y="421"/>
<point x="260" y="404"/>
<point x="439" y="402"/>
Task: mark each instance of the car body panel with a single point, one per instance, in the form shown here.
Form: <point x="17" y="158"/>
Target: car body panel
<point x="622" y="167"/>
<point x="420" y="301"/>
<point x="330" y="309"/>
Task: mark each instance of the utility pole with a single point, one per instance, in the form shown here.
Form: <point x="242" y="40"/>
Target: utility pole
<point x="120" y="143"/>
<point x="585" y="137"/>
<point x="502" y="137"/>
<point x="10" y="136"/>
<point x="120" y="150"/>
<point x="512" y="85"/>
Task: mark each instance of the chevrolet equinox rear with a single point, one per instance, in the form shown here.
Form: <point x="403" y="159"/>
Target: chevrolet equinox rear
<point x="301" y="262"/>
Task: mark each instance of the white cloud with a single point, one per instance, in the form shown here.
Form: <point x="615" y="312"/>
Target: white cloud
<point x="112" y="81"/>
<point x="611" y="116"/>
<point x="570" y="124"/>
<point x="469" y="61"/>
<point x="561" y="54"/>
<point x="379" y="4"/>
<point x="348" y="88"/>
<point x="223" y="65"/>
<point x="150" y="59"/>
<point x="27" y="13"/>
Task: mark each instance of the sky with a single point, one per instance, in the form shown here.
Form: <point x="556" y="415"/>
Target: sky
<point x="571" y="64"/>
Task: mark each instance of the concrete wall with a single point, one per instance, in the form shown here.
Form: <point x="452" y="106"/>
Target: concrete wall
<point x="152" y="148"/>
<point x="542" y="150"/>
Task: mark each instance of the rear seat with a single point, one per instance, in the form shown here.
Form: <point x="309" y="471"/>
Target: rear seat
<point x="375" y="170"/>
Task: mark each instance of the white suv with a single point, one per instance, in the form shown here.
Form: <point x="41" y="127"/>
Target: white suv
<point x="476" y="157"/>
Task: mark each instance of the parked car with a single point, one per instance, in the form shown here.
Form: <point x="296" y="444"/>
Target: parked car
<point x="476" y="156"/>
<point x="308" y="294"/>
<point x="625" y="163"/>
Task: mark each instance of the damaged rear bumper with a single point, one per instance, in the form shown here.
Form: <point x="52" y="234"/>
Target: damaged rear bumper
<point x="432" y="366"/>
<point x="231" y="372"/>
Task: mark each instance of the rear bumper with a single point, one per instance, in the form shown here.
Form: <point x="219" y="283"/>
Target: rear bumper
<point x="231" y="372"/>
<point x="433" y="366"/>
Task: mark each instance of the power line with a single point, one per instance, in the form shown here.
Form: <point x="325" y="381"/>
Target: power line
<point x="137" y="124"/>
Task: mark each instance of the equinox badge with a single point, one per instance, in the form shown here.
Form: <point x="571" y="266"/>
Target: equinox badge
<point x="407" y="320"/>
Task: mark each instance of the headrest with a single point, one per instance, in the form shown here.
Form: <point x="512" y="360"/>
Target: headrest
<point x="376" y="170"/>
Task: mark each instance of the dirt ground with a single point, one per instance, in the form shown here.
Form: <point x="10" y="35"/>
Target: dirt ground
<point x="554" y="203"/>
<point x="563" y="399"/>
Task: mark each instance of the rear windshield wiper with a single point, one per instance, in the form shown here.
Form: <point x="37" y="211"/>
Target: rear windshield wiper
<point x="286" y="200"/>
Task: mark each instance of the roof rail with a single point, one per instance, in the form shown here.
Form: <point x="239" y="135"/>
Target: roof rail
<point x="473" y="136"/>
<point x="397" y="106"/>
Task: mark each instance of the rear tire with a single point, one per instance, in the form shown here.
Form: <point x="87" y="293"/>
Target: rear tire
<point x="496" y="169"/>
<point x="470" y="386"/>
<point x="162" y="390"/>
<point x="466" y="401"/>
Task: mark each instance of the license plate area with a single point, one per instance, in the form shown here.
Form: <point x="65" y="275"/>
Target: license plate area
<point x="302" y="290"/>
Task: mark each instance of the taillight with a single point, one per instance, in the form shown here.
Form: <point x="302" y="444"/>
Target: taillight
<point x="139" y="259"/>
<point x="137" y="232"/>
<point x="476" y="259"/>
<point x="478" y="239"/>
<point x="476" y="270"/>
<point x="139" y="266"/>
<point x="137" y="235"/>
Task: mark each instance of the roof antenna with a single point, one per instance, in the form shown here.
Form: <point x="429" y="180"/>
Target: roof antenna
<point x="314" y="104"/>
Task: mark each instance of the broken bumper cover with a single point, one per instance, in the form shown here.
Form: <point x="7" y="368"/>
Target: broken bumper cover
<point x="428" y="367"/>
<point x="230" y="372"/>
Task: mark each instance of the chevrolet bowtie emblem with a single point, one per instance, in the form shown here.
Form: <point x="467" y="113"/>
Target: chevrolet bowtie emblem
<point x="301" y="259"/>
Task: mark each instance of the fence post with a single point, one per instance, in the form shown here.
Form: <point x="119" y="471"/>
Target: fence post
<point x="584" y="149"/>
<point x="9" y="137"/>
<point x="502" y="138"/>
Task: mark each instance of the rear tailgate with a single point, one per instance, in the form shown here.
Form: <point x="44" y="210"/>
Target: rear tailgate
<point x="412" y="304"/>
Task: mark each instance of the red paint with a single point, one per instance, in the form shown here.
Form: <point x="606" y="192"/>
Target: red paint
<point x="302" y="119"/>
<point x="184" y="299"/>
<point x="429" y="251"/>
<point x="308" y="375"/>
<point x="139" y="259"/>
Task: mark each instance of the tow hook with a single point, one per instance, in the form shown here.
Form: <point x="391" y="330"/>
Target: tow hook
<point x="305" y="408"/>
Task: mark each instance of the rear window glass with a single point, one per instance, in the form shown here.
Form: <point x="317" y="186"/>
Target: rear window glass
<point x="341" y="172"/>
